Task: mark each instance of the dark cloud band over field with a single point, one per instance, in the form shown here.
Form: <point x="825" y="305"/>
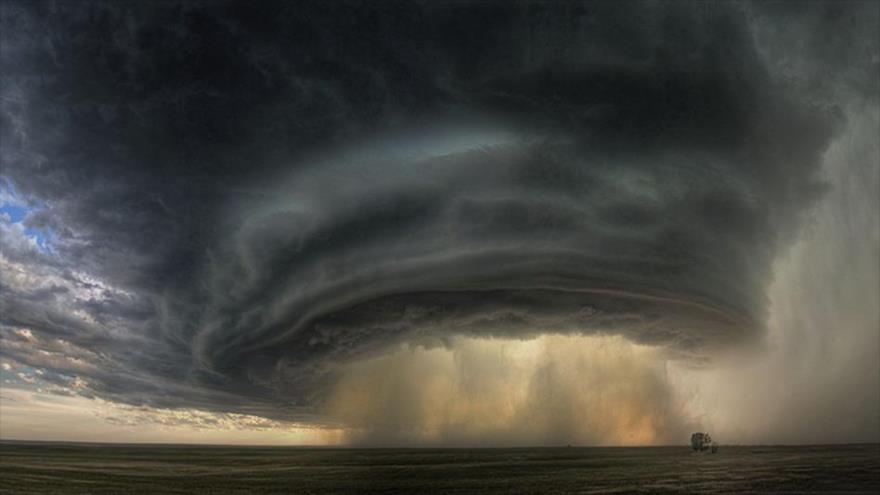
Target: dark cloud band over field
<point x="236" y="201"/>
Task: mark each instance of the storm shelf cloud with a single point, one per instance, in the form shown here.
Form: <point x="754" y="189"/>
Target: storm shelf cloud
<point x="228" y="205"/>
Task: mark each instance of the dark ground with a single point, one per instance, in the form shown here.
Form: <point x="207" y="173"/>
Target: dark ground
<point x="84" y="468"/>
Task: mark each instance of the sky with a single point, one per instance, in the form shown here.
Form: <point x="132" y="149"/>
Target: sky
<point x="440" y="223"/>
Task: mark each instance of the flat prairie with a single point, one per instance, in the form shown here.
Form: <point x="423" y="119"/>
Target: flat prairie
<point x="36" y="467"/>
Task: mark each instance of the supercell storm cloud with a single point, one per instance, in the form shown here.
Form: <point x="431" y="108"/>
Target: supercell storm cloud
<point x="224" y="204"/>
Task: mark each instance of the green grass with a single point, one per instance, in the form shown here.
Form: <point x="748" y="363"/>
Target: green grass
<point x="84" y="468"/>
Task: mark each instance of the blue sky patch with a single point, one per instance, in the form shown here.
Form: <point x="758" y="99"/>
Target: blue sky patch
<point x="17" y="212"/>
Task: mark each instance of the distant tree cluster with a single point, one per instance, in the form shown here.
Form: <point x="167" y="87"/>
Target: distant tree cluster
<point x="702" y="442"/>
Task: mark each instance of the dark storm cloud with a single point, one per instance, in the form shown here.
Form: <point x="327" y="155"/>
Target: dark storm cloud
<point x="242" y="198"/>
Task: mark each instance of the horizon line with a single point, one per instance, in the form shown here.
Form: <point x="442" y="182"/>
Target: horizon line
<point x="409" y="447"/>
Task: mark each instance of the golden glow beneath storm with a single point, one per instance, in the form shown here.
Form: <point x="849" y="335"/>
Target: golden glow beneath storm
<point x="553" y="390"/>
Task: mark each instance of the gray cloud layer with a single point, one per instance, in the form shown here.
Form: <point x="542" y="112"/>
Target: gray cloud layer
<point x="243" y="199"/>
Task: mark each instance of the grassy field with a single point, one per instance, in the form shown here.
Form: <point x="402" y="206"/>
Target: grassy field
<point x="84" y="468"/>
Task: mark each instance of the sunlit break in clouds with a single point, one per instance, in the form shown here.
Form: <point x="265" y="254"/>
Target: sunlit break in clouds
<point x="441" y="223"/>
